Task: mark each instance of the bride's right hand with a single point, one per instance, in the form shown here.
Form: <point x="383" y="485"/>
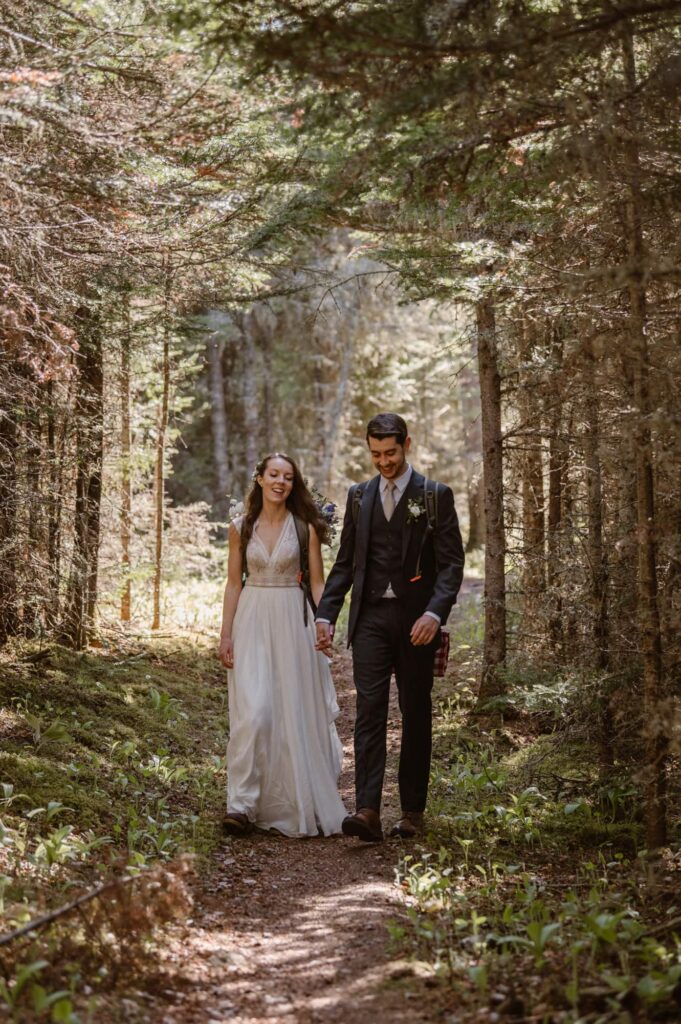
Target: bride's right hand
<point x="227" y="652"/>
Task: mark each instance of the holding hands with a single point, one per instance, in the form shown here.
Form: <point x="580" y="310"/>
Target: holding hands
<point x="324" y="638"/>
<point x="423" y="632"/>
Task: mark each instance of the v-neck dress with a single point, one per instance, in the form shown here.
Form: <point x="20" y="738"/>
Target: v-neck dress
<point x="283" y="755"/>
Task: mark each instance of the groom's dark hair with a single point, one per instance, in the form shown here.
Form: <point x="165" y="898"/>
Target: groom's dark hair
<point x="387" y="424"/>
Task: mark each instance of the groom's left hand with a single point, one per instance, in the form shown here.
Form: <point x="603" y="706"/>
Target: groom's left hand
<point x="424" y="630"/>
<point x="324" y="638"/>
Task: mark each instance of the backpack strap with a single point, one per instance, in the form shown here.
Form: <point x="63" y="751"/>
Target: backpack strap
<point x="244" y="560"/>
<point x="430" y="500"/>
<point x="432" y="492"/>
<point x="303" y="534"/>
<point x="357" y="494"/>
<point x="431" y="495"/>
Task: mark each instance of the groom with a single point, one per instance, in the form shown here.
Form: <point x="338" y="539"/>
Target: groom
<point x="405" y="573"/>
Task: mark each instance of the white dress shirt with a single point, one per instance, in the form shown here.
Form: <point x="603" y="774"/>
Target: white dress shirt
<point x="401" y="483"/>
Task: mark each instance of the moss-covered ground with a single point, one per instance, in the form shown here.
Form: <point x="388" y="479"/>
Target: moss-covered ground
<point x="111" y="761"/>
<point x="532" y="897"/>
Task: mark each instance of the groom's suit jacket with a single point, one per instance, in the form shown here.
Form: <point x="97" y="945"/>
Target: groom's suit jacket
<point x="442" y="556"/>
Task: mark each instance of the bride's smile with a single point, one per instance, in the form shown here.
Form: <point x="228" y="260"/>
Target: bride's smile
<point x="276" y="481"/>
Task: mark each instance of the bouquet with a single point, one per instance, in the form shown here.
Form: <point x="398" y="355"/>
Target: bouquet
<point x="327" y="510"/>
<point x="236" y="509"/>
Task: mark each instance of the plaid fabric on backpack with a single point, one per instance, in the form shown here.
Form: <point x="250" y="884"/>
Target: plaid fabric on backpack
<point x="442" y="653"/>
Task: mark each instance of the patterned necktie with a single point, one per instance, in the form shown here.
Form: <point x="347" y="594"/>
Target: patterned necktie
<point x="389" y="499"/>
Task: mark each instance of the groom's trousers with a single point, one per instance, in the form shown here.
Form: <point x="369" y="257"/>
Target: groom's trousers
<point x="381" y="645"/>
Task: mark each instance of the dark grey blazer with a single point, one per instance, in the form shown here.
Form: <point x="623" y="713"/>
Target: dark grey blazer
<point x="442" y="557"/>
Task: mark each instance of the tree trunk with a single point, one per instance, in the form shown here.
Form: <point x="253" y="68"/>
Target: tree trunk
<point x="55" y="454"/>
<point x="494" y="649"/>
<point x="594" y="501"/>
<point x="534" y="555"/>
<point x="159" y="473"/>
<point x="126" y="452"/>
<point x="469" y="391"/>
<point x="82" y="588"/>
<point x="264" y="338"/>
<point x="596" y="550"/>
<point x="558" y="456"/>
<point x="35" y="596"/>
<point x="218" y="414"/>
<point x="250" y="398"/>
<point x="648" y="611"/>
<point x="9" y="619"/>
<point x="331" y="419"/>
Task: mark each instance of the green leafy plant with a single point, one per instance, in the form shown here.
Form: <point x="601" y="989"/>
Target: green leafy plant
<point x="167" y="707"/>
<point x="164" y="767"/>
<point x="9" y="797"/>
<point x="10" y="992"/>
<point x="53" y="808"/>
<point x="43" y="731"/>
<point x="55" y="848"/>
<point x="539" y="935"/>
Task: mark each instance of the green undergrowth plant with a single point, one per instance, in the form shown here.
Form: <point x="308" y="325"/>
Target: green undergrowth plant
<point x="111" y="763"/>
<point x="582" y="941"/>
<point x="531" y="895"/>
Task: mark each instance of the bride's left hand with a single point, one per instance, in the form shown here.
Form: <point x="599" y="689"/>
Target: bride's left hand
<point x="226" y="652"/>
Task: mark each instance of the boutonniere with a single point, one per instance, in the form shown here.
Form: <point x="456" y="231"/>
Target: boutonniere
<point x="415" y="509"/>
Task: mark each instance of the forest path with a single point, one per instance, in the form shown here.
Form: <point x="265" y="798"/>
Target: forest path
<point x="296" y="930"/>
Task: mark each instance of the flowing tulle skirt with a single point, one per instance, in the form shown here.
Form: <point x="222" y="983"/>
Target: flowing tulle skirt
<point x="284" y="755"/>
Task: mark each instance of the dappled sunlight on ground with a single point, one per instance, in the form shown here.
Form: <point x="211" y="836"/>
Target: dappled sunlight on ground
<point x="293" y="930"/>
<point x="312" y="957"/>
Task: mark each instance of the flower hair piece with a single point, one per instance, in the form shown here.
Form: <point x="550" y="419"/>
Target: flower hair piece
<point x="272" y="455"/>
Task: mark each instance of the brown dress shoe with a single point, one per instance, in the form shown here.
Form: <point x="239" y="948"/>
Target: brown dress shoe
<point x="409" y="826"/>
<point x="235" y="823"/>
<point x="364" y="825"/>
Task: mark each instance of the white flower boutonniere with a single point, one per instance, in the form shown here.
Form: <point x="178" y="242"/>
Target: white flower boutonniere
<point x="415" y="509"/>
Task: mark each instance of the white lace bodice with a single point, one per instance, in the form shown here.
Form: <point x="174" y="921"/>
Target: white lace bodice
<point x="280" y="569"/>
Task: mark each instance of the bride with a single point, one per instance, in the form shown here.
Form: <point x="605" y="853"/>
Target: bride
<point x="284" y="755"/>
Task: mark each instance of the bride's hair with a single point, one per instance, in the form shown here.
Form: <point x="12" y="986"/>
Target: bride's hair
<point x="299" y="501"/>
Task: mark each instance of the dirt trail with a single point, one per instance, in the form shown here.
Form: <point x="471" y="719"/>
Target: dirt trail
<point x="295" y="930"/>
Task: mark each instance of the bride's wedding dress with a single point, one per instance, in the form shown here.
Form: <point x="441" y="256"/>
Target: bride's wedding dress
<point x="284" y="755"/>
